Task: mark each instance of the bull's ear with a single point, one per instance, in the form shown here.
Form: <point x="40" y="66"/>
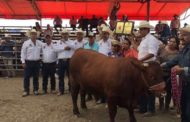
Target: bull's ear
<point x="145" y="64"/>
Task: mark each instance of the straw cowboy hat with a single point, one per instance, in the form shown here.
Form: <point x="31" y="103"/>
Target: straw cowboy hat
<point x="145" y="24"/>
<point x="186" y="29"/>
<point x="115" y="42"/>
<point x="80" y="31"/>
<point x="100" y="27"/>
<point x="106" y="29"/>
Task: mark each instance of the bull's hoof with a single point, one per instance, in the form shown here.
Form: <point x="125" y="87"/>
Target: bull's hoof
<point x="77" y="115"/>
<point x="84" y="107"/>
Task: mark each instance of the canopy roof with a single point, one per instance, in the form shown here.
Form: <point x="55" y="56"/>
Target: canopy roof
<point x="134" y="9"/>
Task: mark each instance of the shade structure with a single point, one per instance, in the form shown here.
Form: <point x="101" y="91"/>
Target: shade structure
<point x="134" y="9"/>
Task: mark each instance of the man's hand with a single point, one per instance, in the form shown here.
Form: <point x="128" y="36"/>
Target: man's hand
<point x="23" y="65"/>
<point x="67" y="48"/>
<point x="178" y="69"/>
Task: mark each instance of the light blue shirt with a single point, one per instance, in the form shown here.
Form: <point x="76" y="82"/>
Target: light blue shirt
<point x="94" y="47"/>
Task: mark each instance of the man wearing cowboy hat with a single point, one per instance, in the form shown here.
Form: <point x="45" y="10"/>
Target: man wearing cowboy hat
<point x="147" y="51"/>
<point x="79" y="42"/>
<point x="64" y="49"/>
<point x="105" y="42"/>
<point x="7" y="48"/>
<point x="181" y="65"/>
<point x="49" y="58"/>
<point x="30" y="58"/>
<point x="116" y="49"/>
<point x="91" y="44"/>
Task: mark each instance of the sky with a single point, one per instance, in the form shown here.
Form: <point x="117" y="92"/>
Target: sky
<point x="14" y="22"/>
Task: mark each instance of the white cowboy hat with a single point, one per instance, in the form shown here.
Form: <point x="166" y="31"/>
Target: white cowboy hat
<point x="80" y="31"/>
<point x="64" y="31"/>
<point x="28" y="33"/>
<point x="145" y="24"/>
<point x="186" y="29"/>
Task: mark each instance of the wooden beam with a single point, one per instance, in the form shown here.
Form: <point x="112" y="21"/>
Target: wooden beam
<point x="9" y="6"/>
<point x="161" y="8"/>
<point x="36" y="9"/>
<point x="87" y="0"/>
<point x="173" y="1"/>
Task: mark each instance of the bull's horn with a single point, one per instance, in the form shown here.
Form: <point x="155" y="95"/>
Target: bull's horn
<point x="158" y="87"/>
<point x="145" y="64"/>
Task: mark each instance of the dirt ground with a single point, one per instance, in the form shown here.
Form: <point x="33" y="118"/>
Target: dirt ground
<point x="53" y="108"/>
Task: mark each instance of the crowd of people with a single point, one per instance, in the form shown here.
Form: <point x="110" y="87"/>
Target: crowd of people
<point x="170" y="47"/>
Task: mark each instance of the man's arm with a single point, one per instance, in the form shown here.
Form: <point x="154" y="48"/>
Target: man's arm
<point x="148" y="56"/>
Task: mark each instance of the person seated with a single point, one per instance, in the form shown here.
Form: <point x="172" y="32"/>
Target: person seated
<point x="48" y="31"/>
<point x="57" y="23"/>
<point x="93" y="23"/>
<point x="73" y="23"/>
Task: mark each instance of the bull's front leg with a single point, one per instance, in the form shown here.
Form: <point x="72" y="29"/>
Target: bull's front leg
<point x="112" y="109"/>
<point x="131" y="114"/>
<point x="74" y="93"/>
<point x="83" y="100"/>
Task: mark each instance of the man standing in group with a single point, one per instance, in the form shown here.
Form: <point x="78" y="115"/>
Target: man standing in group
<point x="181" y="65"/>
<point x="175" y="25"/>
<point x="7" y="48"/>
<point x="30" y="57"/>
<point x="91" y="44"/>
<point x="79" y="42"/>
<point x="147" y="51"/>
<point x="105" y="43"/>
<point x="49" y="59"/>
<point x="57" y="22"/>
<point x="64" y="49"/>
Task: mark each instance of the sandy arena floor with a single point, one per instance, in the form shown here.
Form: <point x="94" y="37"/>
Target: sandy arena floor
<point x="52" y="108"/>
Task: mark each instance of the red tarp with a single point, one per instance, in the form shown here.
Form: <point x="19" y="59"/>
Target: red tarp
<point x="28" y="9"/>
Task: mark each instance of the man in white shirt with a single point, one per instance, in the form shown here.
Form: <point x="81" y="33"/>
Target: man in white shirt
<point x="49" y="59"/>
<point x="79" y="42"/>
<point x="64" y="49"/>
<point x="147" y="51"/>
<point x="30" y="57"/>
<point x="105" y="42"/>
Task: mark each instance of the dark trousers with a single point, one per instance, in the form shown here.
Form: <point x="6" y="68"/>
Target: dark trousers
<point x="74" y="27"/>
<point x="147" y="103"/>
<point x="31" y="69"/>
<point x="168" y="94"/>
<point x="63" y="66"/>
<point x="185" y="103"/>
<point x="174" y="32"/>
<point x="57" y="26"/>
<point x="48" y="70"/>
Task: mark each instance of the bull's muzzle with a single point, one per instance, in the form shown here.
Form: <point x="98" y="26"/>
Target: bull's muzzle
<point x="158" y="87"/>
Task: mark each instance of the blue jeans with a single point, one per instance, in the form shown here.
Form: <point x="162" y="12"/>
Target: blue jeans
<point x="31" y="69"/>
<point x="185" y="103"/>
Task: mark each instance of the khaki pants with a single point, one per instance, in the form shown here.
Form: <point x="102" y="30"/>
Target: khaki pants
<point x="8" y="62"/>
